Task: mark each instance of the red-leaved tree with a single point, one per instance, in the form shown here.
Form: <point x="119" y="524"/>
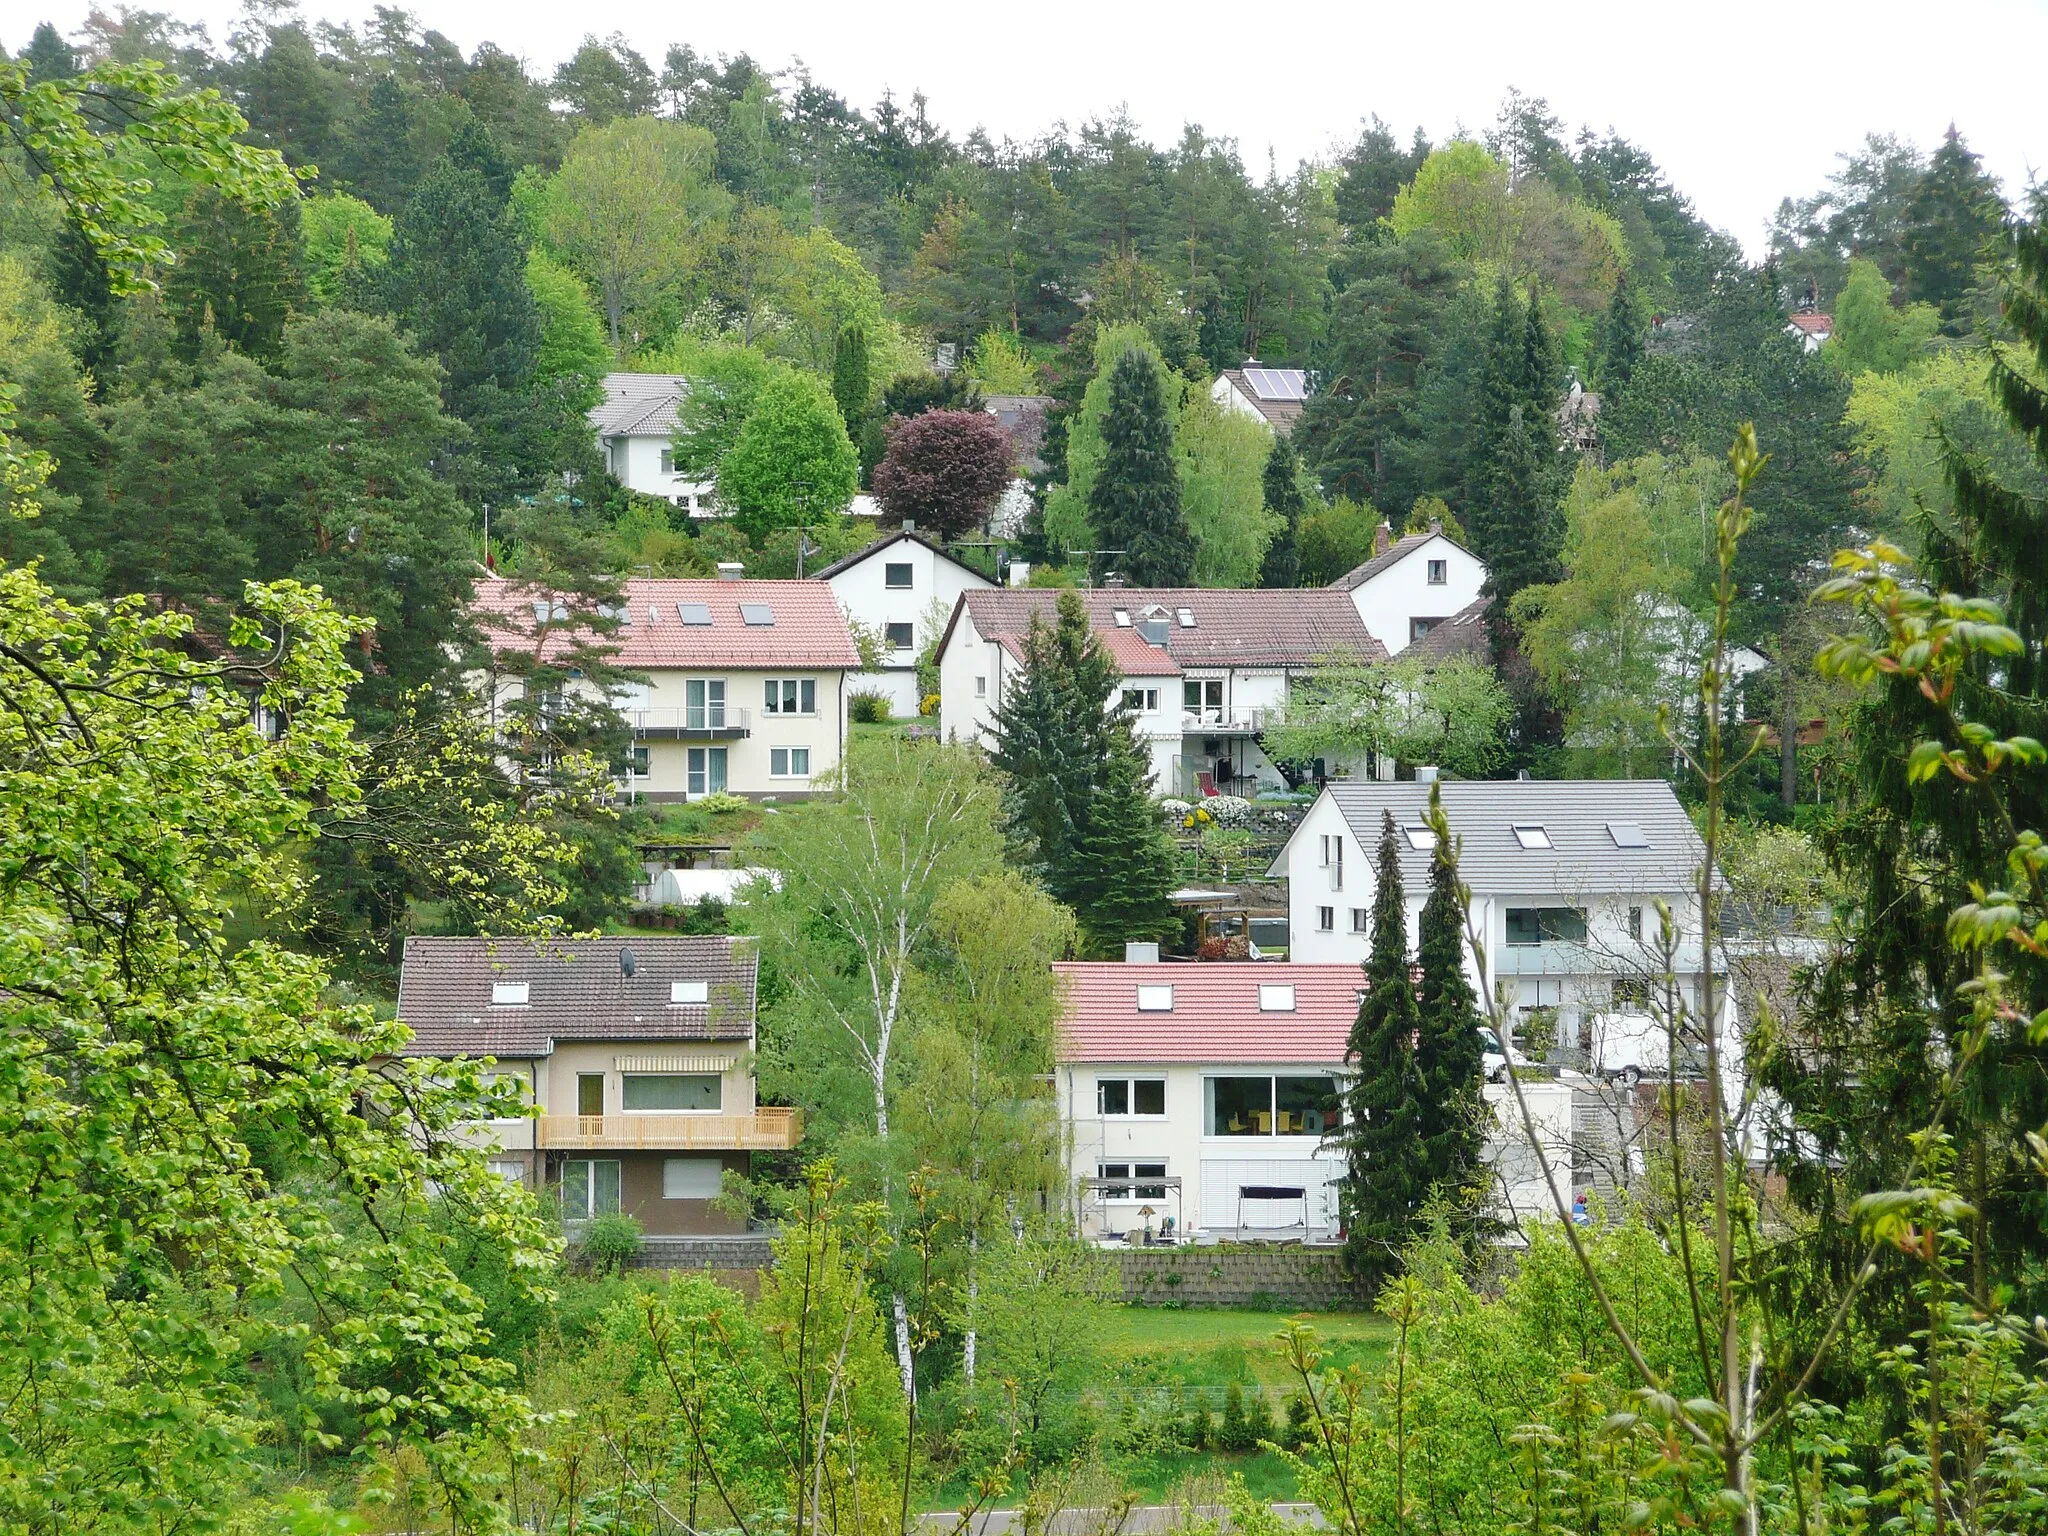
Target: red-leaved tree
<point x="944" y="470"/>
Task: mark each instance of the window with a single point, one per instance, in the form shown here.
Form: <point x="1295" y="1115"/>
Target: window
<point x="698" y="614"/>
<point x="1631" y="992"/>
<point x="1155" y="999"/>
<point x="1418" y="627"/>
<point x="981" y="687"/>
<point x="1531" y="834"/>
<point x="706" y="770"/>
<point x="1110" y="1172"/>
<point x="1141" y="700"/>
<point x="1130" y="1095"/>
<point x="1439" y="572"/>
<point x="1203" y="697"/>
<point x="1123" y="618"/>
<point x="1306" y="1106"/>
<point x="1186" y="617"/>
<point x="1421" y="839"/>
<point x="636" y="762"/>
<point x="790" y="696"/>
<point x="590" y="1094"/>
<point x="668" y="461"/>
<point x="689" y="991"/>
<point x="1153" y="628"/>
<point x="510" y="1169"/>
<point x="1278" y="999"/>
<point x="898" y="636"/>
<point x="590" y="1187"/>
<point x="758" y="615"/>
<point x="1635" y="922"/>
<point x="509" y="994"/>
<point x="789" y="762"/>
<point x="1272" y="1106"/>
<point x="896" y="575"/>
<point x="672" y="1092"/>
<point x="1333" y="859"/>
<point x="704" y="703"/>
<point x="1546" y="925"/>
<point x="1361" y="920"/>
<point x="691" y="1178"/>
<point x="1239" y="1106"/>
<point x="1627" y="834"/>
<point x="1326" y="919"/>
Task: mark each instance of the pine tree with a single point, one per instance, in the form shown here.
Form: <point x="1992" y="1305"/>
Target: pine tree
<point x="1282" y="565"/>
<point x="1619" y="345"/>
<point x="1387" y="1178"/>
<point x="48" y="56"/>
<point x="1134" y="504"/>
<point x="1123" y="858"/>
<point x="1449" y="1055"/>
<point x="1952" y="219"/>
<point x="237" y="273"/>
<point x="850" y="381"/>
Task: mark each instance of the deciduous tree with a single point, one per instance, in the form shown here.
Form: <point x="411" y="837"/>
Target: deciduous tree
<point x="945" y="470"/>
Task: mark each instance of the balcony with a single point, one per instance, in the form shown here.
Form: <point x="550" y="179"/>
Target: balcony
<point x="689" y="723"/>
<point x="1223" y="722"/>
<point x="764" y="1130"/>
<point x="1634" y="960"/>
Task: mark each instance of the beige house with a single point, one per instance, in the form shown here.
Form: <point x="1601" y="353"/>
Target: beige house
<point x="741" y="684"/>
<point x="635" y="1053"/>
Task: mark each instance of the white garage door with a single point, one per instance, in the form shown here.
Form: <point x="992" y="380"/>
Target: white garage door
<point x="1222" y="1178"/>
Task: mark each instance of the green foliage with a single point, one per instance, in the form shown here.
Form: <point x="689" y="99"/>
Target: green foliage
<point x="1387" y="1173"/>
<point x="1134" y="506"/>
<point x="850" y="383"/>
<point x="999" y="365"/>
<point x="1124" y="876"/>
<point x="1281" y="483"/>
<point x="1449" y="1058"/>
<point x="1870" y="336"/>
<point x="346" y="242"/>
<point x="237" y="276"/>
<point x="1222" y="459"/>
<point x="792" y="462"/>
<point x="572" y="350"/>
<point x="1451" y="713"/>
<point x="1336" y="539"/>
<point x="868" y="708"/>
<point x="1042" y="1316"/>
<point x="1515" y="526"/>
<point x="608" y="1243"/>
<point x="1953" y="220"/>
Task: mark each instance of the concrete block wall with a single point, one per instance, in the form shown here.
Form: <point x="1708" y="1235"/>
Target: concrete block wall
<point x="1284" y="1278"/>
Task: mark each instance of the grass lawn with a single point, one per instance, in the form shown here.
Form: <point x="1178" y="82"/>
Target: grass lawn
<point x="1213" y="1348"/>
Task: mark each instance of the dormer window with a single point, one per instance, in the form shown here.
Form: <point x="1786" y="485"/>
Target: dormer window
<point x="1276" y="999"/>
<point x="1155" y="999"/>
<point x="509" y="994"/>
<point x="689" y="992"/>
<point x="1531" y="834"/>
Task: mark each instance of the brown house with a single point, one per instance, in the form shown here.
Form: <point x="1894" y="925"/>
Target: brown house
<point x="636" y="1054"/>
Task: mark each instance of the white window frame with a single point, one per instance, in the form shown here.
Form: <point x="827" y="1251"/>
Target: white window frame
<point x="1361" y="920"/>
<point x="1439" y="573"/>
<point x="1155" y="997"/>
<point x="1333" y="859"/>
<point x="587" y="1206"/>
<point x="1276" y="997"/>
<point x="1130" y="1087"/>
<point x="787" y="757"/>
<point x="981" y="687"/>
<point x="689" y="992"/>
<point x="704" y="703"/>
<point x="697" y="770"/>
<point x="789" y="697"/>
<point x="1533" y="837"/>
<point x="909" y="637"/>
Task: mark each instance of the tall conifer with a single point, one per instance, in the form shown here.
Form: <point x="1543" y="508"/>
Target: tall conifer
<point x="1134" y="504"/>
<point x="1449" y="1055"/>
<point x="1387" y="1177"/>
<point x="1282" y="564"/>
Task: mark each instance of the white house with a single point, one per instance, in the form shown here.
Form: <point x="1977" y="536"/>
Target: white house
<point x="636" y="428"/>
<point x="1811" y="327"/>
<point x="1275" y="396"/>
<point x="1198" y="1101"/>
<point x="1202" y="668"/>
<point x="1412" y="584"/>
<point x="1564" y="876"/>
<point x="742" y="686"/>
<point x="900" y="587"/>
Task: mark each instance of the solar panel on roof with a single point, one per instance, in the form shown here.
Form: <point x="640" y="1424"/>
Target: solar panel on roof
<point x="694" y="613"/>
<point x="759" y="614"/>
<point x="1277" y="383"/>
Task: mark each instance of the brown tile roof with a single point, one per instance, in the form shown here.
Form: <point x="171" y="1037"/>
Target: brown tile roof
<point x="575" y="991"/>
<point x="1234" y="626"/>
<point x="1281" y="415"/>
<point x="1464" y="633"/>
<point x="1813" y="324"/>
<point x="1396" y="552"/>
<point x="809" y="630"/>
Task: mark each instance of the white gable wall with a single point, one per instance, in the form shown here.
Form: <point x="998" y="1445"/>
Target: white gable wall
<point x="864" y="593"/>
<point x="636" y="463"/>
<point x="1227" y="395"/>
<point x="1403" y="592"/>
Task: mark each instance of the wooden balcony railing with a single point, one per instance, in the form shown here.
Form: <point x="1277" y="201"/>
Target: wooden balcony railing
<point x="764" y="1130"/>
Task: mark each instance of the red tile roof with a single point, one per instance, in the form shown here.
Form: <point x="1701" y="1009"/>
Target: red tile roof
<point x="1215" y="1015"/>
<point x="809" y="630"/>
<point x="1814" y="325"/>
<point x="1234" y="627"/>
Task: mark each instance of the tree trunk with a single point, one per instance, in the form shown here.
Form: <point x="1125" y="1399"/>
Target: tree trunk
<point x="904" y="1364"/>
<point x="967" y="1346"/>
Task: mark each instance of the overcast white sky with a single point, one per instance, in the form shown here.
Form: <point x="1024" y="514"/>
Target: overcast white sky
<point x="1741" y="102"/>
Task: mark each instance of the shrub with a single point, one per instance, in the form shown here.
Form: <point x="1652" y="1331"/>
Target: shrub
<point x="1298" y="1433"/>
<point x="609" y="1243"/>
<point x="720" y="802"/>
<point x="1174" y="811"/>
<point x="1234" y="1433"/>
<point x="1201" y="1431"/>
<point x="928" y="705"/>
<point x="1230" y="811"/>
<point x="864" y="708"/>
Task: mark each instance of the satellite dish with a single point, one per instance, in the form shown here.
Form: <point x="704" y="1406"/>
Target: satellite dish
<point x="628" y="962"/>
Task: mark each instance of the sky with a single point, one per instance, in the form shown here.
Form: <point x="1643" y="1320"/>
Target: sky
<point x="1741" y="103"/>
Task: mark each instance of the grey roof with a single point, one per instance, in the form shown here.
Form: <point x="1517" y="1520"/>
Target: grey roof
<point x="849" y="561"/>
<point x="1584" y="857"/>
<point x="1023" y="417"/>
<point x="1464" y="633"/>
<point x="1393" y="555"/>
<point x="639" y="404"/>
<point x="576" y="991"/>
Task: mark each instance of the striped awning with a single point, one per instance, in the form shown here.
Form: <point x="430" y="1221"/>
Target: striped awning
<point x="707" y="1062"/>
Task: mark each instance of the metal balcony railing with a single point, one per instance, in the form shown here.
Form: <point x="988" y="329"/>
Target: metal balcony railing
<point x="725" y="721"/>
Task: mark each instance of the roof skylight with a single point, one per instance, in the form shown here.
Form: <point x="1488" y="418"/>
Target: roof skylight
<point x="689" y="991"/>
<point x="1627" y="834"/>
<point x="1421" y="839"/>
<point x="1123" y="618"/>
<point x="759" y="615"/>
<point x="1276" y="999"/>
<point x="1532" y="834"/>
<point x="1155" y="999"/>
<point x="1186" y="617"/>
<point x="694" y="613"/>
<point x="509" y="994"/>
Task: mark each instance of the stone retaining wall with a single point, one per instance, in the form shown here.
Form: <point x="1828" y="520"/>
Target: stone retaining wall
<point x="1289" y="1278"/>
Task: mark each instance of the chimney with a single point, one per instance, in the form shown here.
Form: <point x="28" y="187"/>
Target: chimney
<point x="1426" y="774"/>
<point x="1141" y="954"/>
<point x="1020" y="573"/>
<point x="731" y="570"/>
<point x="1382" y="537"/>
<point x="910" y="525"/>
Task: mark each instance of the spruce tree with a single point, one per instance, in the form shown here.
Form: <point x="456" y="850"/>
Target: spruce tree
<point x="1387" y="1178"/>
<point x="1282" y="565"/>
<point x="850" y="378"/>
<point x="1952" y="219"/>
<point x="1123" y="859"/>
<point x="1134" y="504"/>
<point x="1449" y="1055"/>
<point x="1619" y="344"/>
